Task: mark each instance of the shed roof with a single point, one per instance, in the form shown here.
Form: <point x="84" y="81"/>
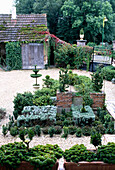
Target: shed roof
<point x="24" y="28"/>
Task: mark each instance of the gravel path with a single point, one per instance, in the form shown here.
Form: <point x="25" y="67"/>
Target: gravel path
<point x="14" y="82"/>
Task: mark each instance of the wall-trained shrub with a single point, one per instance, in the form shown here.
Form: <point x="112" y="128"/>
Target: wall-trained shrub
<point x="33" y="115"/>
<point x="82" y="118"/>
<point x="13" y="56"/>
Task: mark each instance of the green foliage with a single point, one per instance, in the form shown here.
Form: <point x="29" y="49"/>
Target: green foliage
<point x="91" y="44"/>
<point x="2" y="113"/>
<point x="58" y="130"/>
<point x="45" y="92"/>
<point x="12" y="154"/>
<point x="4" y="130"/>
<point x="65" y="123"/>
<point x="96" y="139"/>
<point x="42" y="101"/>
<point x="74" y="56"/>
<point x="106" y="153"/>
<point x="38" y="130"/>
<point x="45" y="130"/>
<point x="42" y="157"/>
<point x="72" y="130"/>
<point x="13" y="56"/>
<point x="78" y="153"/>
<point x="14" y="131"/>
<point x="21" y="100"/>
<point x="78" y="132"/>
<point x="66" y="132"/>
<point x="82" y="118"/>
<point x="97" y="80"/>
<point x="63" y="79"/>
<point x="86" y="130"/>
<point x="108" y="72"/>
<point x="51" y="131"/>
<point x="36" y="75"/>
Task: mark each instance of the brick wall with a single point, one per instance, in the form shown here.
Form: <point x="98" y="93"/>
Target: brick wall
<point x="64" y="101"/>
<point x="98" y="100"/>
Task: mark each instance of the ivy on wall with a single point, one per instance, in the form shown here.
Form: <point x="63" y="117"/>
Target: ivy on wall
<point x="13" y="56"/>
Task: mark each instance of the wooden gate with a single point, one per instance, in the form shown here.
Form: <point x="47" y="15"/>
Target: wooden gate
<point x="32" y="54"/>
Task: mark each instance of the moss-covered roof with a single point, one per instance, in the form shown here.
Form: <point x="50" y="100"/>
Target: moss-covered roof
<point x="24" y="28"/>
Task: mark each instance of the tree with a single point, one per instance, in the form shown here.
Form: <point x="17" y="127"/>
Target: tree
<point x="24" y="6"/>
<point x="87" y="15"/>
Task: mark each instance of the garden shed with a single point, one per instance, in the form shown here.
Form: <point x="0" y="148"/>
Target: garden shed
<point x="26" y="29"/>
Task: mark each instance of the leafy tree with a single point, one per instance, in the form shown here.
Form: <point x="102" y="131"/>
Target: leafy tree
<point x="87" y="15"/>
<point x="24" y="6"/>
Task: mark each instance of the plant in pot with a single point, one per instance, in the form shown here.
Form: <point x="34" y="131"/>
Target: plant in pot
<point x="81" y="34"/>
<point x="35" y="75"/>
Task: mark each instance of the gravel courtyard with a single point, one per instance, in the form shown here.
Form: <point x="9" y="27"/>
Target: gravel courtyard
<point x="14" y="82"/>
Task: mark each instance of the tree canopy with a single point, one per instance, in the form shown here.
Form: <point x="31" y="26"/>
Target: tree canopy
<point x="66" y="17"/>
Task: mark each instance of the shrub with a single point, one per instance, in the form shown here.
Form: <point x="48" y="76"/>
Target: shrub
<point x="4" y="129"/>
<point x="21" y="100"/>
<point x="66" y="132"/>
<point x="86" y="131"/>
<point x="58" y="130"/>
<point x="72" y="130"/>
<point x="42" y="101"/>
<point x="2" y="113"/>
<point x="42" y="115"/>
<point x="66" y="122"/>
<point x="106" y="153"/>
<point x="51" y="131"/>
<point x="78" y="153"/>
<point x="38" y="130"/>
<point x="108" y="72"/>
<point x="14" y="131"/>
<point x="96" y="139"/>
<point x="45" y="130"/>
<point x="44" y="92"/>
<point x="78" y="132"/>
<point x="81" y="118"/>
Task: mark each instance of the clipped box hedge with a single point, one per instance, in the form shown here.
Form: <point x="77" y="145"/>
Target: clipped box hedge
<point x="32" y="115"/>
<point x="82" y="117"/>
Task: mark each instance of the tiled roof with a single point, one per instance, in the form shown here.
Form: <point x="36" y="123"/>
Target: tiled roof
<point x="25" y="27"/>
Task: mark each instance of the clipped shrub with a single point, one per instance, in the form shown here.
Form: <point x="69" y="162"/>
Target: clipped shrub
<point x="51" y="131"/>
<point x="58" y="130"/>
<point x="2" y="113"/>
<point x="4" y="129"/>
<point x="106" y="153"/>
<point x="14" y="131"/>
<point x="78" y="153"/>
<point x="95" y="139"/>
<point x="78" y="132"/>
<point x="59" y="123"/>
<point x="45" y="91"/>
<point x="12" y="154"/>
<point x="45" y="130"/>
<point x="42" y="101"/>
<point x="108" y="72"/>
<point x="86" y="130"/>
<point x="66" y="122"/>
<point x="41" y="115"/>
<point x="72" y="130"/>
<point x="21" y="100"/>
<point x="65" y="132"/>
<point x="82" y="118"/>
<point x="37" y="130"/>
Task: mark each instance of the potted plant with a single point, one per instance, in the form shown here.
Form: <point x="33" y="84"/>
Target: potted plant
<point x="81" y="34"/>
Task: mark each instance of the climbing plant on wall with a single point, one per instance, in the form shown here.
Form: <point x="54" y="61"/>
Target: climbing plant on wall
<point x="13" y="56"/>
